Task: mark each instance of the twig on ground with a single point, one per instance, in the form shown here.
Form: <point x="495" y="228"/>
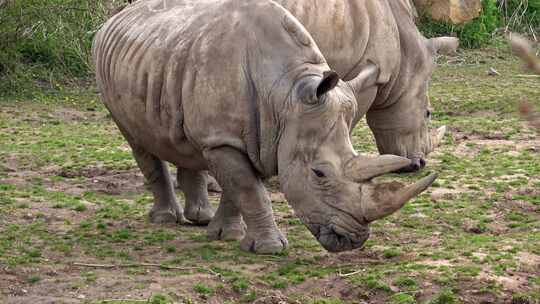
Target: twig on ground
<point x="134" y="265"/>
<point x="344" y="275"/>
<point x="527" y="76"/>
<point x="217" y="274"/>
<point x="124" y="300"/>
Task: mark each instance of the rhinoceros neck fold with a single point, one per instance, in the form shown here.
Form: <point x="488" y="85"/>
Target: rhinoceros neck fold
<point x="412" y="52"/>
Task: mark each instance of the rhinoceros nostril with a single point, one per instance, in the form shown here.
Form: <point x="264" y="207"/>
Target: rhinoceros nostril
<point x="422" y="163"/>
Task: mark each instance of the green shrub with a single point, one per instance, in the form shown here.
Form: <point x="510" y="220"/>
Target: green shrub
<point x="472" y="34"/>
<point x="47" y="42"/>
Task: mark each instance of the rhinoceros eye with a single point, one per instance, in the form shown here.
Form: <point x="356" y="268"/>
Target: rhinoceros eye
<point x="318" y="173"/>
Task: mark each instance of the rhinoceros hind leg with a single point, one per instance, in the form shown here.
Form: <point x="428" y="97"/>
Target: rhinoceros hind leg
<point x="213" y="185"/>
<point x="166" y="208"/>
<point x="227" y="224"/>
<point x="198" y="210"/>
<point x="211" y="182"/>
<point x="245" y="189"/>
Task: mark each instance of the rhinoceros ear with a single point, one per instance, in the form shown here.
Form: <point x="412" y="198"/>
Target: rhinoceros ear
<point x="329" y="81"/>
<point x="366" y="78"/>
<point x="313" y="88"/>
<point x="443" y="45"/>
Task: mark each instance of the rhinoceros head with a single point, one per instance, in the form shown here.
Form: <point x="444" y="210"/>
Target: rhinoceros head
<point x="326" y="182"/>
<point x="402" y="127"/>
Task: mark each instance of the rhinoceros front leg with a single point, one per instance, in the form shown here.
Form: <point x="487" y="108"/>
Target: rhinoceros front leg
<point x="243" y="188"/>
<point x="166" y="208"/>
<point x="198" y="210"/>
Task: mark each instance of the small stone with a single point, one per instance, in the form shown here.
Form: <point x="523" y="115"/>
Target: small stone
<point x="418" y="215"/>
<point x="493" y="72"/>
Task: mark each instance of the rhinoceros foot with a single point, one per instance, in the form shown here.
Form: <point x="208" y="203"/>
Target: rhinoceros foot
<point x="226" y="229"/>
<point x="265" y="242"/>
<point x="199" y="215"/>
<point x="166" y="216"/>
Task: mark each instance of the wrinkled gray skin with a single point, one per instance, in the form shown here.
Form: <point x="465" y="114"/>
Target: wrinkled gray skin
<point x="193" y="83"/>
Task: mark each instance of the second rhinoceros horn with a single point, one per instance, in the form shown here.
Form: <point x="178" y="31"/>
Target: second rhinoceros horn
<point x="437" y="137"/>
<point x="363" y="168"/>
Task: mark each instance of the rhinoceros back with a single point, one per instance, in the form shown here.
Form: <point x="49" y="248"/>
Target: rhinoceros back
<point x="142" y="55"/>
<point x="177" y="71"/>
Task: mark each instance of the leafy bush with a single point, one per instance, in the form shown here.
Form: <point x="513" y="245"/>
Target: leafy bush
<point x="47" y="41"/>
<point x="472" y="34"/>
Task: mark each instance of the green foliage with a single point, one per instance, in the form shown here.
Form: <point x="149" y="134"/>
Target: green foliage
<point x="519" y="15"/>
<point x="46" y="43"/>
<point x="444" y="297"/>
<point x="472" y="34"/>
<point x="203" y="289"/>
<point x="402" y="298"/>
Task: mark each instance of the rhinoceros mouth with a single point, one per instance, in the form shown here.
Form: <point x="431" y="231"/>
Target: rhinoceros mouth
<point x="335" y="238"/>
<point x="417" y="163"/>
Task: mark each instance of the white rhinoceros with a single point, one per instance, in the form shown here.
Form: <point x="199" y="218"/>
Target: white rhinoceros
<point x="241" y="89"/>
<point x="352" y="33"/>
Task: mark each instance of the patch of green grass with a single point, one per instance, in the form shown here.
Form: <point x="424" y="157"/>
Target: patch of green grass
<point x="405" y="282"/>
<point x="445" y="297"/>
<point x="402" y="298"/>
<point x="327" y="301"/>
<point x="203" y="289"/>
<point x="33" y="279"/>
<point x="240" y="284"/>
<point x="391" y="253"/>
<point x="159" y="299"/>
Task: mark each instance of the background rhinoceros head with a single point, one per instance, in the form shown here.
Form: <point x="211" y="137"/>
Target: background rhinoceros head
<point x="403" y="127"/>
<point x="327" y="183"/>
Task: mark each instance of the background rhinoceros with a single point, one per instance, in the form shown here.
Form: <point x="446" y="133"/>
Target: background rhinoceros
<point x="352" y="33"/>
<point x="240" y="88"/>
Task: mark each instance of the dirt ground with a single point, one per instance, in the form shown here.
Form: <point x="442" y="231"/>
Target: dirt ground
<point x="74" y="226"/>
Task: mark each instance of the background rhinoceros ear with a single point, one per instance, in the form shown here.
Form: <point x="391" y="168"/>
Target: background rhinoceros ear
<point x="443" y="45"/>
<point x="366" y="78"/>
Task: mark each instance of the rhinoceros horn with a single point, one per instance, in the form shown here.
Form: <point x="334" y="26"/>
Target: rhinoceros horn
<point x="381" y="200"/>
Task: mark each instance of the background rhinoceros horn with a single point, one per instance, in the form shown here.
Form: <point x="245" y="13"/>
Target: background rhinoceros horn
<point x="363" y="168"/>
<point x="381" y="200"/>
<point x="437" y="137"/>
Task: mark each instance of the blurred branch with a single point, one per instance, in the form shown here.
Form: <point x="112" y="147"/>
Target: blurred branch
<point x="523" y="49"/>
